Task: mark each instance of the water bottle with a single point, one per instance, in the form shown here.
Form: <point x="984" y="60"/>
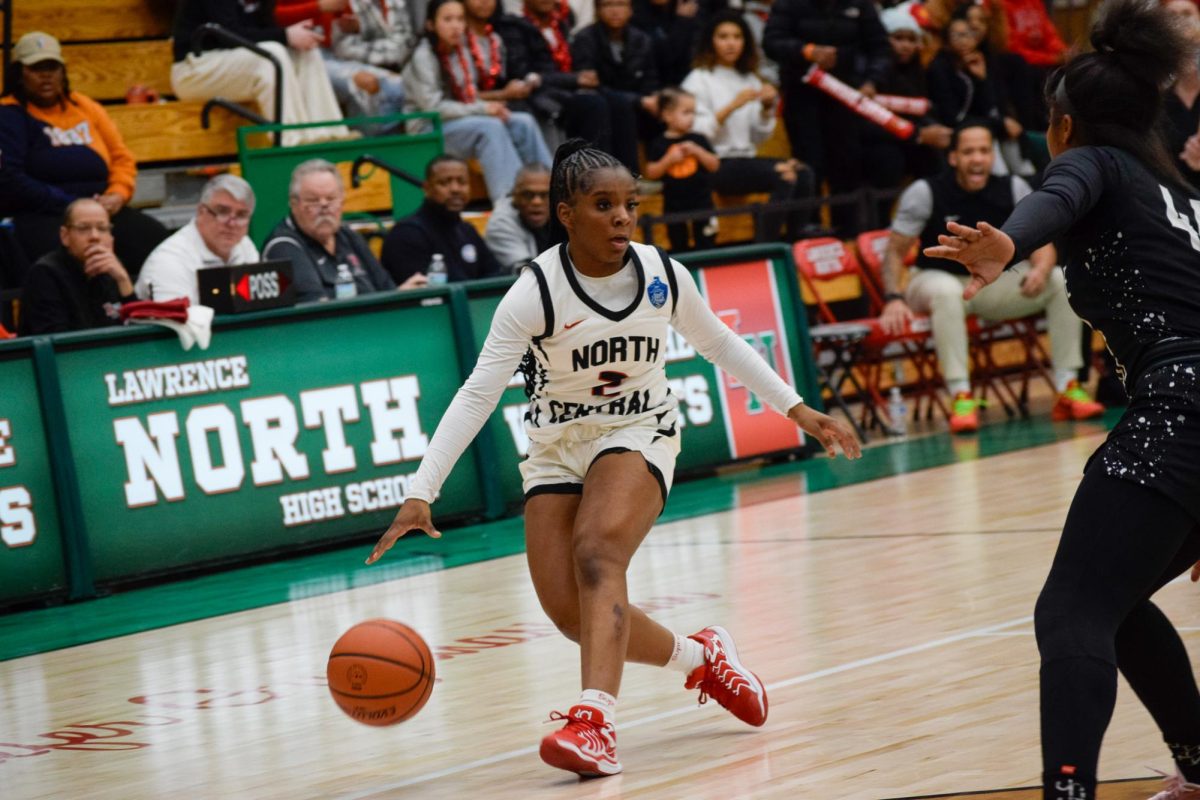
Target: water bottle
<point x="343" y="285"/>
<point x="437" y="270"/>
<point x="897" y="411"/>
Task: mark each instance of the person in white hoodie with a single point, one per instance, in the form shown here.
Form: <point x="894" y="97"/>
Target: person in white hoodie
<point x="735" y="109"/>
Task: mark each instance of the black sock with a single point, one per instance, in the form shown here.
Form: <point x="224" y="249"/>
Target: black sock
<point x="1068" y="785"/>
<point x="1187" y="758"/>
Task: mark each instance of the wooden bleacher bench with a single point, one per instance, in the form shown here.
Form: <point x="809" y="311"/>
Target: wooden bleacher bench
<point x="92" y="21"/>
<point x="116" y="44"/>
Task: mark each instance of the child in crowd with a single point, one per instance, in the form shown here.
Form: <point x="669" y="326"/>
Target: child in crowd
<point x="737" y="110"/>
<point x="622" y="58"/>
<point x="685" y="162"/>
<point x="459" y="75"/>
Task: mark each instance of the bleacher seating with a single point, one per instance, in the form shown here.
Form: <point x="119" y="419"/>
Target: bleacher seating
<point x="114" y="45"/>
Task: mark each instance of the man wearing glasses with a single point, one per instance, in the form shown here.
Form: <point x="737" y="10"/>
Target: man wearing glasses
<point x="319" y="246"/>
<point x="518" y="229"/>
<point x="216" y="236"/>
<point x="80" y="285"/>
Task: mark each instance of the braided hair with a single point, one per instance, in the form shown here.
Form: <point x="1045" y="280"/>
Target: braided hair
<point x="14" y="84"/>
<point x="1115" y="93"/>
<point x="574" y="162"/>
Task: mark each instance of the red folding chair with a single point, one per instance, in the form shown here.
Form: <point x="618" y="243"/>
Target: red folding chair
<point x="825" y="262"/>
<point x="988" y="376"/>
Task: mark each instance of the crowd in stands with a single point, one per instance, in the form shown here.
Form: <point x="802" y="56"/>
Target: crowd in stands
<point x="686" y="93"/>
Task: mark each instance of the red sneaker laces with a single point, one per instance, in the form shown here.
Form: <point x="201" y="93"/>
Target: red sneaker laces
<point x="593" y="732"/>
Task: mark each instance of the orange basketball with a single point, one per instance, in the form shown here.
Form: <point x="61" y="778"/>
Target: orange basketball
<point x="380" y="672"/>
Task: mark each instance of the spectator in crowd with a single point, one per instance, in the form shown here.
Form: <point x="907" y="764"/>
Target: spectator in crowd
<point x="319" y="246"/>
<point x="960" y="84"/>
<point x="445" y="75"/>
<point x="846" y="39"/>
<point x="622" y="57"/>
<point x="509" y="86"/>
<point x="674" y="30"/>
<point x="80" y="284"/>
<point x="240" y="75"/>
<point x="1022" y="84"/>
<point x="970" y="193"/>
<point x="538" y="44"/>
<point x="437" y="227"/>
<point x="519" y="226"/>
<point x="1180" y="106"/>
<point x="371" y="47"/>
<point x="684" y="161"/>
<point x="362" y="89"/>
<point x="1032" y="35"/>
<point x="735" y="109"/>
<point x="216" y="236"/>
<point x="888" y="160"/>
<point x="57" y="145"/>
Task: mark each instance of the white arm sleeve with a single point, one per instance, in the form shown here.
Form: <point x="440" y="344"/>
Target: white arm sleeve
<point x="519" y="318"/>
<point x="705" y="331"/>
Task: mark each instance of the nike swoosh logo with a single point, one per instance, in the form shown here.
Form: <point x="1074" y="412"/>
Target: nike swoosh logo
<point x="572" y="325"/>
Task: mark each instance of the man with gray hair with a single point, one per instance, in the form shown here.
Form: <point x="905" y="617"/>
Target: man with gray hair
<point x="325" y="254"/>
<point x="216" y="236"/>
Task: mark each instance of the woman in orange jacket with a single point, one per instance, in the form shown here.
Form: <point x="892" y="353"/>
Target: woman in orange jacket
<point x="56" y="146"/>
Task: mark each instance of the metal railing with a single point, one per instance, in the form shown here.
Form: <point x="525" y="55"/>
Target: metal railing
<point x="367" y="158"/>
<point x="865" y="201"/>
<point x="211" y="30"/>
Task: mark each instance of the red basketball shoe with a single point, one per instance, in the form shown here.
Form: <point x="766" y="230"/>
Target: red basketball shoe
<point x="587" y="744"/>
<point x="1176" y="788"/>
<point x="724" y="679"/>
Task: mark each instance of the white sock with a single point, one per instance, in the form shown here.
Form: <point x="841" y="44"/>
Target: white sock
<point x="1062" y="377"/>
<point x="687" y="655"/>
<point x="603" y="702"/>
<point x="954" y="387"/>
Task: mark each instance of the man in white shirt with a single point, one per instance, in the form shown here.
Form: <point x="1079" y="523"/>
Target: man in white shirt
<point x="216" y="236"/>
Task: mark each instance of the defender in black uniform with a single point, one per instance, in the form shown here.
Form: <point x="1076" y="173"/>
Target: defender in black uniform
<point x="1130" y="227"/>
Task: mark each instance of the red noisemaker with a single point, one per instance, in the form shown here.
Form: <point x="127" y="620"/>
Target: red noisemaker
<point x="913" y="106"/>
<point x="860" y="103"/>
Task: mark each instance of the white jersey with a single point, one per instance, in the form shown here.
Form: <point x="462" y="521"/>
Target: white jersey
<point x="593" y="351"/>
<point x="595" y="364"/>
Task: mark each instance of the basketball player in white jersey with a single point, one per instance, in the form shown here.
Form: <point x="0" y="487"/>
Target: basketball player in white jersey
<point x="587" y="324"/>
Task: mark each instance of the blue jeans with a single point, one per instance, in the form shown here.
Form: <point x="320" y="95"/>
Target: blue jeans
<point x="357" y="103"/>
<point x="501" y="148"/>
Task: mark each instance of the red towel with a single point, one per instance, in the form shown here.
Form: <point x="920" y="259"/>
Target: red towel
<point x="176" y="310"/>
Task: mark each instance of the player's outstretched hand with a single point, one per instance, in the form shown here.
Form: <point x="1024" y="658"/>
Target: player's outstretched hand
<point x="831" y="433"/>
<point x="985" y="252"/>
<point x="412" y="516"/>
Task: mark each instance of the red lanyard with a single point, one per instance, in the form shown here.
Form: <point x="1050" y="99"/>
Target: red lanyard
<point x="560" y="48"/>
<point x="489" y="75"/>
<point x="463" y="92"/>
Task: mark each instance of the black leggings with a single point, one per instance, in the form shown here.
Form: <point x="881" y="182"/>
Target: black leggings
<point x="1122" y="542"/>
<point x="746" y="175"/>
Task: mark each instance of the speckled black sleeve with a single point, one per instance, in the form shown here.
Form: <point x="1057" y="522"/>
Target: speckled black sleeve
<point x="1072" y="185"/>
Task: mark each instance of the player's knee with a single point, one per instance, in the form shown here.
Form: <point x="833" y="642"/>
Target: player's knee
<point x="593" y="565"/>
<point x="1064" y="630"/>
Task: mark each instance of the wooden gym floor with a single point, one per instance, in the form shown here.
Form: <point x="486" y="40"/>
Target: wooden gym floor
<point x="886" y="604"/>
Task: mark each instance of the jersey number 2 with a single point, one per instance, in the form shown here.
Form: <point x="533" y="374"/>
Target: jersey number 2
<point x="1178" y="220"/>
<point x="612" y="380"/>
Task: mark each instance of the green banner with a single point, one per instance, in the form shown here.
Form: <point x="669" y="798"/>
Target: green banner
<point x="751" y="290"/>
<point x="31" y="554"/>
<point x="292" y="428"/>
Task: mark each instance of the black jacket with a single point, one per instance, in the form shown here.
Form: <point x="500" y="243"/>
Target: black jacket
<point x="59" y="297"/>
<point x="315" y="270"/>
<point x="251" y="19"/>
<point x="412" y="242"/>
<point x="852" y="26"/>
<point x="636" y="71"/>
